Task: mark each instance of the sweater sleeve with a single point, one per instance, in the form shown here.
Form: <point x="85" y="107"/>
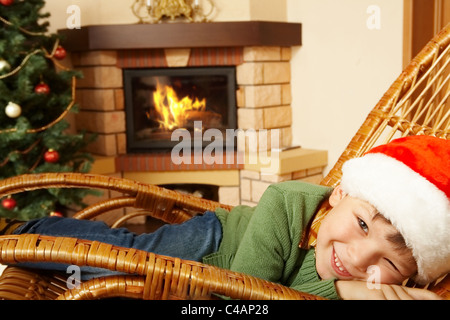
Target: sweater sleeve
<point x="265" y="245"/>
<point x="323" y="288"/>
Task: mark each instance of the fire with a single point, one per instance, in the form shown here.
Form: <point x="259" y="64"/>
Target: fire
<point x="174" y="113"/>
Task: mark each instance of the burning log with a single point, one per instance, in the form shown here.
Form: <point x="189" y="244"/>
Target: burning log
<point x="209" y="119"/>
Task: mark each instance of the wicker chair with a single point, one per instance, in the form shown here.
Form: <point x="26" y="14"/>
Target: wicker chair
<point x="416" y="103"/>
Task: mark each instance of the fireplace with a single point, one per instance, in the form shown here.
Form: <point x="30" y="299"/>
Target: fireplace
<point x="160" y="101"/>
<point x="258" y="52"/>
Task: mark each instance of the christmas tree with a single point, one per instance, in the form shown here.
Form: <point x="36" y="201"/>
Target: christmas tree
<point x="36" y="93"/>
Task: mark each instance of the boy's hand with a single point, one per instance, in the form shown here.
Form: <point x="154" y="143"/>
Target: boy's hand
<point x="358" y="290"/>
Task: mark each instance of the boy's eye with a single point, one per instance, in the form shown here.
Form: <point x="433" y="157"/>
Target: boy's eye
<point x="392" y="264"/>
<point x="363" y="225"/>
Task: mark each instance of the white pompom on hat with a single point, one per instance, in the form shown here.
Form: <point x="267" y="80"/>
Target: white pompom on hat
<point x="408" y="182"/>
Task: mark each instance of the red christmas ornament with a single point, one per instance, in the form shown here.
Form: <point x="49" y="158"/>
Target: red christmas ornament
<point x="60" y="53"/>
<point x="6" y="2"/>
<point x="56" y="214"/>
<point x="9" y="203"/>
<point x="51" y="156"/>
<point x="42" y="88"/>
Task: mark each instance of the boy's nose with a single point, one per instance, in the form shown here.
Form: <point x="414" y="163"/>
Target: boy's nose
<point x="362" y="254"/>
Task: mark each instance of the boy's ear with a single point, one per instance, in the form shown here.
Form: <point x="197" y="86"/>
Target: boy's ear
<point x="336" y="196"/>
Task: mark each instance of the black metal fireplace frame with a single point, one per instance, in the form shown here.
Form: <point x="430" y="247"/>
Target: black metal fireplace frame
<point x="149" y="145"/>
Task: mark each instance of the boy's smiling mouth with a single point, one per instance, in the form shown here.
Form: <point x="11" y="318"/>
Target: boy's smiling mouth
<point x="338" y="266"/>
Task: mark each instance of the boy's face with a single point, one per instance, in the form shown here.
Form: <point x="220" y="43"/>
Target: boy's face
<point x="351" y="239"/>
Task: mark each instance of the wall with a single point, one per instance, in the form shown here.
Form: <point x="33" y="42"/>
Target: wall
<point x="342" y="69"/>
<point x="119" y="11"/>
<point x="338" y="74"/>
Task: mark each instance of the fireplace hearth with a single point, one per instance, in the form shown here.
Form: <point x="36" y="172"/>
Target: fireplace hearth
<point x="160" y="101"/>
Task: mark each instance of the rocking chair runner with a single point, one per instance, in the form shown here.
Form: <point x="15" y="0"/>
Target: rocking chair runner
<point x="416" y="104"/>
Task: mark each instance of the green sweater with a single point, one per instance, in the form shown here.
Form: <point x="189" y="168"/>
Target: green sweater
<point x="263" y="241"/>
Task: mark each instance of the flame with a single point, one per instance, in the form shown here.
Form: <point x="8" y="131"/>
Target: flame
<point x="173" y="113"/>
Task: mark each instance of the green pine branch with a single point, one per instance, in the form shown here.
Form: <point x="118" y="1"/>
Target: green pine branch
<point x="24" y="38"/>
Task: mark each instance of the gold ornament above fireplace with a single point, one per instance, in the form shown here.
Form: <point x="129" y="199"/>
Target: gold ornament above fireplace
<point x="154" y="11"/>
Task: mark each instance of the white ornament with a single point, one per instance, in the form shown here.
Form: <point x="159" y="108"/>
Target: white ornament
<point x="4" y="65"/>
<point x="13" y="110"/>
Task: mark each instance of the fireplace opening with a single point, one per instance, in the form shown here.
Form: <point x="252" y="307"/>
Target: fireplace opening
<point x="160" y="101"/>
<point x="204" y="191"/>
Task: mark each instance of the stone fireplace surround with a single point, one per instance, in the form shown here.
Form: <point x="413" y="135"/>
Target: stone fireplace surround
<point x="261" y="53"/>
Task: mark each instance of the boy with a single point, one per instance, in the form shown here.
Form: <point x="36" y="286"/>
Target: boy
<point x="390" y="215"/>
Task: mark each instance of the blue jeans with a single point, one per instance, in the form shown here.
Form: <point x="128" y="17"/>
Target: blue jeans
<point x="191" y="240"/>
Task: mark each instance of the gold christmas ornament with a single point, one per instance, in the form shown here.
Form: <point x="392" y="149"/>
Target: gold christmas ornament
<point x="155" y="11"/>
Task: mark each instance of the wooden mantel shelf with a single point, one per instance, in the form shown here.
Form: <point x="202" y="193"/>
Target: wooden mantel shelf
<point x="182" y="35"/>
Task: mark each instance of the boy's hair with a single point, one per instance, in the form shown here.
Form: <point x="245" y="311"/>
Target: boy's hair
<point x="408" y="182"/>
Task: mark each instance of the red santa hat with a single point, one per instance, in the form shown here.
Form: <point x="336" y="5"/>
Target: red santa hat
<point x="408" y="182"/>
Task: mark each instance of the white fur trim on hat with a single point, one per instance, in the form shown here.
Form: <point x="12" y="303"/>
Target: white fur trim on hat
<point x="415" y="206"/>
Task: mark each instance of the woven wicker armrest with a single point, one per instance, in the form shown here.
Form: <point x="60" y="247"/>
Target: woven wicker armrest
<point x="152" y="276"/>
<point x="166" y="205"/>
